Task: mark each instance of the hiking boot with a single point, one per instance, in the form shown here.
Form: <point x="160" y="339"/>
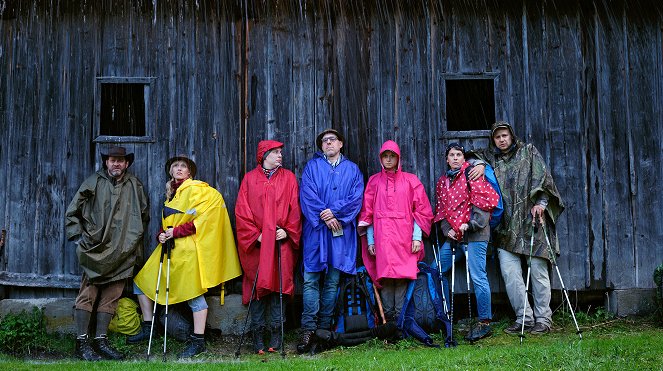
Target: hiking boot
<point x="305" y="341"/>
<point x="478" y="332"/>
<point x="516" y="328"/>
<point x="539" y="329"/>
<point x="142" y="335"/>
<point x="195" y="346"/>
<point x="85" y="352"/>
<point x="275" y="341"/>
<point x="386" y="331"/>
<point x="101" y="346"/>
<point x="258" y="342"/>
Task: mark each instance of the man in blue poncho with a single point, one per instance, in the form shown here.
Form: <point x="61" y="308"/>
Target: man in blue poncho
<point x="331" y="192"/>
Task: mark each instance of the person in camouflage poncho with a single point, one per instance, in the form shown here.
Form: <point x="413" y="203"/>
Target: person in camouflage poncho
<point x="527" y="190"/>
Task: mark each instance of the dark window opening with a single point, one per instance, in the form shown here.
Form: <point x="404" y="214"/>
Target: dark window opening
<point x="122" y="110"/>
<point x="470" y="104"/>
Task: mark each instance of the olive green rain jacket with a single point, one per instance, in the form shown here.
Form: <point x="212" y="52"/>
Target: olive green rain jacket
<point x="110" y="220"/>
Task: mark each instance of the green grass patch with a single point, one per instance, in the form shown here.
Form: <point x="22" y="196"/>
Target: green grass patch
<point x="608" y="343"/>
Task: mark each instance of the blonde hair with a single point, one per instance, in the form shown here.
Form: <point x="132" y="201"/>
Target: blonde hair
<point x="169" y="183"/>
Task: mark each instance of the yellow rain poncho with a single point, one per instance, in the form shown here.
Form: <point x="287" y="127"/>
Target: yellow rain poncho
<point x="199" y="261"/>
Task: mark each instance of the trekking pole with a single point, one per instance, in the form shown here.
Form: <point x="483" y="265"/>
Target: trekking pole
<point x="246" y="319"/>
<point x="379" y="302"/>
<point x="169" y="247"/>
<point x="438" y="260"/>
<point x="156" y="299"/>
<point x="554" y="262"/>
<point x="278" y="246"/>
<point x="469" y="298"/>
<point x="453" y="285"/>
<point x="529" y="270"/>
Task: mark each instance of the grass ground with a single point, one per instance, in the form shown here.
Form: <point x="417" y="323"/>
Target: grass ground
<point x="607" y="344"/>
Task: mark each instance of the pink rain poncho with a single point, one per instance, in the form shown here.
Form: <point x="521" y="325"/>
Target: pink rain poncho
<point x="393" y="201"/>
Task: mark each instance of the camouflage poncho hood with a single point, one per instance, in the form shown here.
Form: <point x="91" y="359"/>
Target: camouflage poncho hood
<point x="523" y="177"/>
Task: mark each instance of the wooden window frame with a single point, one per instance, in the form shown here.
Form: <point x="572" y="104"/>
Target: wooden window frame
<point x="147" y="83"/>
<point x="466" y="134"/>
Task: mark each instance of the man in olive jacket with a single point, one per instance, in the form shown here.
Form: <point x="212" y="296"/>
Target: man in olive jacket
<point x="107" y="217"/>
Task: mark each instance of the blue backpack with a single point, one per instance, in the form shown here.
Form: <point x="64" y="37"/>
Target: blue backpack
<point x="423" y="309"/>
<point x="356" y="307"/>
<point x="496" y="215"/>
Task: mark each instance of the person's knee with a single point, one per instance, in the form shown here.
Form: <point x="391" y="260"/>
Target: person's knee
<point x="198" y="304"/>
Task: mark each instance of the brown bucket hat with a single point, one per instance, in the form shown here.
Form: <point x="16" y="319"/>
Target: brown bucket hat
<point x="117" y="151"/>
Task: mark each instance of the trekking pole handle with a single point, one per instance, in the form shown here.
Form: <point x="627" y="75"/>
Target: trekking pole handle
<point x="169" y="244"/>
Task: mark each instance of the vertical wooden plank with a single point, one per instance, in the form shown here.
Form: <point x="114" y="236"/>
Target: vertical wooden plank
<point x="644" y="101"/>
<point x="613" y="92"/>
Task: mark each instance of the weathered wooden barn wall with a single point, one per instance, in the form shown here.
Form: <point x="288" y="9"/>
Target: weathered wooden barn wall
<point x="581" y="80"/>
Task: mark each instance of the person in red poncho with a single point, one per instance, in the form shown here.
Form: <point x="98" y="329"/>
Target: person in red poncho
<point x="268" y="217"/>
<point x="463" y="210"/>
<point x="396" y="212"/>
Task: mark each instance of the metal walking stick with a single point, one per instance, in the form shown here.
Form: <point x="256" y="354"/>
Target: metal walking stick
<point x="529" y="271"/>
<point x="156" y="299"/>
<point x="469" y="298"/>
<point x="453" y="285"/>
<point x="246" y="319"/>
<point x="438" y="260"/>
<point x="559" y="275"/>
<point x="278" y="246"/>
<point x="169" y="247"/>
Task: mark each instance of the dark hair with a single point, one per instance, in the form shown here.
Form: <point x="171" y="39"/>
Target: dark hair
<point x="454" y="145"/>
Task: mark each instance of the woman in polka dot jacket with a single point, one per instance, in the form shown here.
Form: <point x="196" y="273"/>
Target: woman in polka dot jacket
<point x="463" y="210"/>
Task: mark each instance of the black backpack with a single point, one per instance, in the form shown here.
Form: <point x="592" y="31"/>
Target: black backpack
<point x="180" y="321"/>
<point x="356" y="308"/>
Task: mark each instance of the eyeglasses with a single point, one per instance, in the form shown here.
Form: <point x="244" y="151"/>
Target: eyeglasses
<point x="329" y="139"/>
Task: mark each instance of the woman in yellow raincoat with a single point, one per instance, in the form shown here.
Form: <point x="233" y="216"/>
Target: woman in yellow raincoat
<point x="204" y="254"/>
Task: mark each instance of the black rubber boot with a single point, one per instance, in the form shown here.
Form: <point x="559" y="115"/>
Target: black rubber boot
<point x="101" y="346"/>
<point x="142" y="335"/>
<point x="275" y="341"/>
<point x="84" y="350"/>
<point x="258" y="342"/>
<point x="195" y="346"/>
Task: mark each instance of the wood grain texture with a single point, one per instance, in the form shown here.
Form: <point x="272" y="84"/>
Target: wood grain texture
<point x="583" y="81"/>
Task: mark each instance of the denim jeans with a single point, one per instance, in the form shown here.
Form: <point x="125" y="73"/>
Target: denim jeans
<point x="267" y="304"/>
<point x="319" y="306"/>
<point x="512" y="273"/>
<point x="477" y="263"/>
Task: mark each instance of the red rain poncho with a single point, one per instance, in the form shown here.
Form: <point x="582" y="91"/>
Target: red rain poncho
<point x="262" y="205"/>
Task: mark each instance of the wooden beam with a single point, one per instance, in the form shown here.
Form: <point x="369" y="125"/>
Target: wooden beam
<point x="59" y="281"/>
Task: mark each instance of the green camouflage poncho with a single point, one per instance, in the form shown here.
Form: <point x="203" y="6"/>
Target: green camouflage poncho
<point x="522" y="175"/>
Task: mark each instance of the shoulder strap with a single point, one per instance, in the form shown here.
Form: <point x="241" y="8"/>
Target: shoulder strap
<point x="367" y="294"/>
<point x="467" y="179"/>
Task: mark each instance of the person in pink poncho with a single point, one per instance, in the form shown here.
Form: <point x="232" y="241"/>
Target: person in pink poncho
<point x="396" y="213"/>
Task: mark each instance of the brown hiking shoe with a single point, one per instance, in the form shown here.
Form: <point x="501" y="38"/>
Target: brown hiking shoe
<point x="516" y="328"/>
<point x="539" y="329"/>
